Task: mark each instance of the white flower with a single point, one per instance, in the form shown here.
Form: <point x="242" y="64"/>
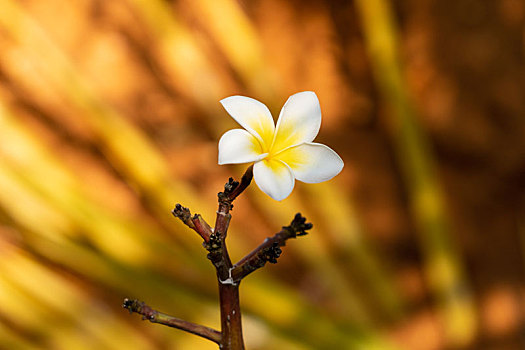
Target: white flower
<point x="281" y="153"/>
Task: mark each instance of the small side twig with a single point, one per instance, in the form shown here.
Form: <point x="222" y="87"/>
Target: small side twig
<point x="240" y="187"/>
<point x="154" y="316"/>
<point x="202" y="227"/>
<point x="270" y="249"/>
<point x="195" y="222"/>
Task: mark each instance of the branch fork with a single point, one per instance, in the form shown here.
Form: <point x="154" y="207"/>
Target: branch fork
<point x="229" y="275"/>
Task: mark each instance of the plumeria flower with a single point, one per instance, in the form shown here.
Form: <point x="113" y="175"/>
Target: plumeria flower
<point x="281" y="153"/>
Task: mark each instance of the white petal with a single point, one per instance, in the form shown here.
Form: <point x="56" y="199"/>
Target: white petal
<point x="239" y="146"/>
<point x="299" y="121"/>
<point x="312" y="162"/>
<point x="251" y="115"/>
<point x="274" y="178"/>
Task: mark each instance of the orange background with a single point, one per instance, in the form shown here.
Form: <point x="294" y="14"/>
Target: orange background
<point x="110" y="114"/>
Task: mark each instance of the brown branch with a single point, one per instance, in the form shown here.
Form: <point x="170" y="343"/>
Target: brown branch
<point x="202" y="227"/>
<point x="154" y="316"/>
<point x="196" y="223"/>
<point x="245" y="182"/>
<point x="231" y="325"/>
<point x="183" y="214"/>
<point x="270" y="249"/>
<point x="230" y="337"/>
<point x="232" y="189"/>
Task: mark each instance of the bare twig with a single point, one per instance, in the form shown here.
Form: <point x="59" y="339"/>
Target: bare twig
<point x="154" y="316"/>
<point x="184" y="215"/>
<point x="196" y="223"/>
<point x="270" y="249"/>
<point x="230" y="337"/>
<point x="245" y="182"/>
<point x="231" y="325"/>
<point x="202" y="227"/>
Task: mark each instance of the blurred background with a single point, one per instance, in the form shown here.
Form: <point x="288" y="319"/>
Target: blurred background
<point x="110" y="114"/>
